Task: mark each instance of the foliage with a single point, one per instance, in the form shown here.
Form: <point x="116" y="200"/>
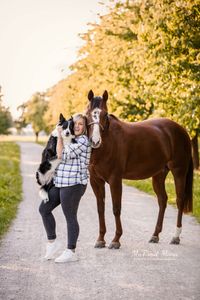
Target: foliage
<point x="21" y="122"/>
<point x="172" y="34"/>
<point x="60" y="101"/>
<point x="5" y="117"/>
<point x="5" y="120"/>
<point x="11" y="184"/>
<point x="146" y="54"/>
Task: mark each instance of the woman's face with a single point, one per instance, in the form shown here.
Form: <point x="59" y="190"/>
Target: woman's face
<point x="79" y="126"/>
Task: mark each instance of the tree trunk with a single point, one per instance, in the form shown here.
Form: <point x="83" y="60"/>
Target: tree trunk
<point x="36" y="136"/>
<point x="195" y="152"/>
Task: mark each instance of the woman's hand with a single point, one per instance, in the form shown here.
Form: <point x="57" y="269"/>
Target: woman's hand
<point x="59" y="146"/>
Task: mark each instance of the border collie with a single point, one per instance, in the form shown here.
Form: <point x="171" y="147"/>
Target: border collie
<point x="49" y="162"/>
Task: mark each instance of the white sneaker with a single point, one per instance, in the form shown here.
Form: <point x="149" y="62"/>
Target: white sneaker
<point x="67" y="256"/>
<point x="51" y="249"/>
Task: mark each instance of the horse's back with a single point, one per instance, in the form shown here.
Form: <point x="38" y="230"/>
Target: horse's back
<point x="151" y="145"/>
<point x="159" y="123"/>
<point x="159" y="127"/>
<point x="175" y="133"/>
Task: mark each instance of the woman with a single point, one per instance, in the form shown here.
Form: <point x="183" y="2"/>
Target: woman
<point x="70" y="181"/>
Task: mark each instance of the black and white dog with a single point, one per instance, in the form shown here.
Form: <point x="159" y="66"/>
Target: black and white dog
<point x="49" y="162"/>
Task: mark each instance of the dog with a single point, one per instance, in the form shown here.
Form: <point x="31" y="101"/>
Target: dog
<point x="49" y="162"/>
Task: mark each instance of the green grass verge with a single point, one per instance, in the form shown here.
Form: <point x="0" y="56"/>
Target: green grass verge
<point x="146" y="186"/>
<point x="10" y="183"/>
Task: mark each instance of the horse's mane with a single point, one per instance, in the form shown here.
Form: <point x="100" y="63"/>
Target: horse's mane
<point x="113" y="116"/>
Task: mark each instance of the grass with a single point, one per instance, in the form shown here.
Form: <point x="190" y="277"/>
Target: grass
<point x="146" y="186"/>
<point x="10" y="183"/>
<point x="10" y="177"/>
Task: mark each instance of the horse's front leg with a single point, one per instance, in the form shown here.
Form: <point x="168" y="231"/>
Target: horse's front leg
<point x="98" y="187"/>
<point x="116" y="193"/>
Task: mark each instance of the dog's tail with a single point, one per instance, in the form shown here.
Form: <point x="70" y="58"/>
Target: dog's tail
<point x="43" y="195"/>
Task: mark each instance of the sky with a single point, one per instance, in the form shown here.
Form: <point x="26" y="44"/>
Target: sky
<point x="39" y="40"/>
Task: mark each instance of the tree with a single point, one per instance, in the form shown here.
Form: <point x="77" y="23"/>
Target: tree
<point x="5" y="117"/>
<point x="161" y="61"/>
<point x="33" y="112"/>
<point x="171" y="35"/>
<point x="21" y="122"/>
<point x="146" y="54"/>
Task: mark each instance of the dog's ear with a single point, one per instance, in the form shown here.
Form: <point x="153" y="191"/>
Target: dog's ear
<point x="61" y="118"/>
<point x="90" y="95"/>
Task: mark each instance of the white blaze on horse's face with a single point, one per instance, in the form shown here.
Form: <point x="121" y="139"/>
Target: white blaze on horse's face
<point x="96" y="137"/>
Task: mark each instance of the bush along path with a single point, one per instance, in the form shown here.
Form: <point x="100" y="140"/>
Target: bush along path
<point x="138" y="270"/>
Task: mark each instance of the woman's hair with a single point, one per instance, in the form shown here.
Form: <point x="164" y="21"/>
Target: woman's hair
<point x="78" y="116"/>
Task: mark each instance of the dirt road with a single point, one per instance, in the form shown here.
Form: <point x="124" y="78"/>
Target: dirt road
<point x="138" y="270"/>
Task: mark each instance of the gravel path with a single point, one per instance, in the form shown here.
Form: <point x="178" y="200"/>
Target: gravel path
<point x="138" y="270"/>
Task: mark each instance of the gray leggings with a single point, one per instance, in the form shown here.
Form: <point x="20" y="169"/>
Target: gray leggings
<point x="69" y="198"/>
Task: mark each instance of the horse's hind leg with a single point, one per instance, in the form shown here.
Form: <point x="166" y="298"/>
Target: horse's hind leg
<point x="179" y="179"/>
<point x="98" y="187"/>
<point x="159" y="188"/>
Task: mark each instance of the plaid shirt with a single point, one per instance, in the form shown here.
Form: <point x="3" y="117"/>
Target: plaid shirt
<point x="73" y="168"/>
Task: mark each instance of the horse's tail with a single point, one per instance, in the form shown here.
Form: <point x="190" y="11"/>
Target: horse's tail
<point x="188" y="203"/>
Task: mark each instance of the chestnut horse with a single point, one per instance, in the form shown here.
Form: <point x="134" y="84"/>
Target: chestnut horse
<point x="140" y="150"/>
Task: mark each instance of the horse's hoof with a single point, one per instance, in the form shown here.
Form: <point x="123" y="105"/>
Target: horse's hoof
<point x="175" y="241"/>
<point x="100" y="244"/>
<point x="114" y="245"/>
<point x="154" y="239"/>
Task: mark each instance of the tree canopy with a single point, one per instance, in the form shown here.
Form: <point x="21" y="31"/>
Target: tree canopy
<point x="5" y="117"/>
<point x="33" y="112"/>
<point x="146" y="54"/>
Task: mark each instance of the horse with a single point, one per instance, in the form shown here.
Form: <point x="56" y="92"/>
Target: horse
<point x="138" y="150"/>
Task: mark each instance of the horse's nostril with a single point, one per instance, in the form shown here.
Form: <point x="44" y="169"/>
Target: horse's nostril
<point x="95" y="145"/>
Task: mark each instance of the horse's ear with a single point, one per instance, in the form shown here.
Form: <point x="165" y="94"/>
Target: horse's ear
<point x="61" y="118"/>
<point x="90" y="95"/>
<point x="105" y="95"/>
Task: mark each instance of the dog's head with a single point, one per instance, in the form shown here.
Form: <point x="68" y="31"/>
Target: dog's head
<point x="67" y="126"/>
<point x="68" y="136"/>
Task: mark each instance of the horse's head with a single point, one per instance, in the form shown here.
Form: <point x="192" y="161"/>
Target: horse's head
<point x="97" y="117"/>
